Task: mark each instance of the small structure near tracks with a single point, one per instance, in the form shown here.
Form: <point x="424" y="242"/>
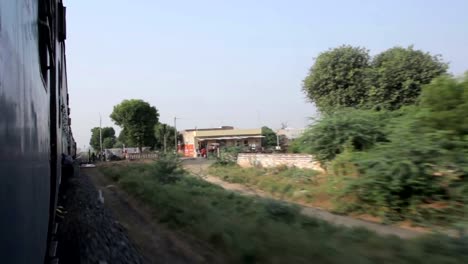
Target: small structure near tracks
<point x="302" y="161"/>
<point x="135" y="156"/>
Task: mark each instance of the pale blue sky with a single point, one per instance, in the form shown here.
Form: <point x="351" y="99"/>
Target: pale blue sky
<point x="239" y="62"/>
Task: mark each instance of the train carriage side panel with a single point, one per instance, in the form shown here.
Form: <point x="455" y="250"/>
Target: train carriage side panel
<point x="24" y="136"/>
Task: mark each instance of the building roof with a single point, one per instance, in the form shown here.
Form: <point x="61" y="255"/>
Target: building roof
<point x="230" y="132"/>
<point x="228" y="138"/>
<point x="209" y="129"/>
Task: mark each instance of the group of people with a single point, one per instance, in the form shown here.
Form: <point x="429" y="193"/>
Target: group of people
<point x="204" y="151"/>
<point x="99" y="157"/>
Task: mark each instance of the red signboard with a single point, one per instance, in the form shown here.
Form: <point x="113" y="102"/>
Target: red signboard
<point x="189" y="150"/>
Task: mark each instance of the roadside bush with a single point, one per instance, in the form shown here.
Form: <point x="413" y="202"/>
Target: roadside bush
<point x="329" y="136"/>
<point x="167" y="169"/>
<point x="228" y="155"/>
<point x="421" y="173"/>
<point x="403" y="175"/>
<point x="444" y="106"/>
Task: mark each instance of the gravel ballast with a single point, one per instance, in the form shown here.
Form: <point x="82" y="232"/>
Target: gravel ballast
<point x="89" y="233"/>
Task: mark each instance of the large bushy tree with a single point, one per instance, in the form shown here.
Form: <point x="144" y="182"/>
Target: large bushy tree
<point x="347" y="77"/>
<point x="137" y="119"/>
<point x="338" y="78"/>
<point x="107" y="133"/>
<point x="398" y="75"/>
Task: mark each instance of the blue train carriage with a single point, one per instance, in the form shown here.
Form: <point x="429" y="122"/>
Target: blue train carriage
<point x="34" y="126"/>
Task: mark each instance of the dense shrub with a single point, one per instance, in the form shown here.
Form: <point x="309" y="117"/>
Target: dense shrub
<point x="444" y="105"/>
<point x="403" y="175"/>
<point x="327" y="138"/>
<point x="421" y="172"/>
<point x="228" y="155"/>
<point x="167" y="169"/>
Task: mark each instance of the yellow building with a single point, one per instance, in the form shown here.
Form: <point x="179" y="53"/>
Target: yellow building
<point x="213" y="138"/>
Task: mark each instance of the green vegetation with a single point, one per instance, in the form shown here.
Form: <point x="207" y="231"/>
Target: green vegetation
<point x="406" y="164"/>
<point x="269" y="139"/>
<point x="338" y="78"/>
<point x="228" y="155"/>
<point x="348" y="77"/>
<point x="398" y="74"/>
<point x="137" y="119"/>
<point x="360" y="129"/>
<point x="165" y="137"/>
<point x="287" y="183"/>
<point x="108" y="138"/>
<point x="249" y="230"/>
<point x="140" y="127"/>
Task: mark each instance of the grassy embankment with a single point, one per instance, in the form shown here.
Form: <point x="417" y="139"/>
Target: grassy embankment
<point x="292" y="184"/>
<point x="249" y="230"/>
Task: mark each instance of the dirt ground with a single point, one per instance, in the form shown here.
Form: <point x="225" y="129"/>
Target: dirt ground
<point x="156" y="243"/>
<point x="199" y="167"/>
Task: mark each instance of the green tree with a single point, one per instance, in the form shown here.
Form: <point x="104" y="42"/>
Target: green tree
<point x="137" y="119"/>
<point x="124" y="139"/>
<point x="164" y="135"/>
<point x="108" y="143"/>
<point x="269" y="137"/>
<point x="118" y="144"/>
<point x="338" y="78"/>
<point x="399" y="73"/>
<point x="107" y="132"/>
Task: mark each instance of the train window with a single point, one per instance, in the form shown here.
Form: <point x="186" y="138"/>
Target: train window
<point x="44" y="39"/>
<point x="62" y="25"/>
<point x="44" y="61"/>
<point x="60" y="79"/>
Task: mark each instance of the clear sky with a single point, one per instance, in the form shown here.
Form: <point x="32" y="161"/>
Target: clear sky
<point x="237" y="62"/>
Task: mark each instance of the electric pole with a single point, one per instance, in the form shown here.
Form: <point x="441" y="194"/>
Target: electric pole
<point x="100" y="132"/>
<point x="175" y="134"/>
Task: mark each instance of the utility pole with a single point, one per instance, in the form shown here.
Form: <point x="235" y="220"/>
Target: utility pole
<point x="277" y="140"/>
<point x="165" y="138"/>
<point x="100" y="132"/>
<point x="175" y="134"/>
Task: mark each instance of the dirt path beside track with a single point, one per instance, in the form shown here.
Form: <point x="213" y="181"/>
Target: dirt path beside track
<point x="199" y="167"/>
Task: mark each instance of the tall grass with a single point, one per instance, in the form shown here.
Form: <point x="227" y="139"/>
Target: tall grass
<point x="289" y="183"/>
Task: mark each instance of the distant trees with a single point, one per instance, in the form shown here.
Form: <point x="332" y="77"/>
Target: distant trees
<point x="108" y="138"/>
<point x="164" y="135"/>
<point x="347" y="77"/>
<point x="108" y="143"/>
<point x="137" y="119"/>
<point x="269" y="137"/>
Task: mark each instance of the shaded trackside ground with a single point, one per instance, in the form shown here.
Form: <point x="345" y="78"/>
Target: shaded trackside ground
<point x="156" y="243"/>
